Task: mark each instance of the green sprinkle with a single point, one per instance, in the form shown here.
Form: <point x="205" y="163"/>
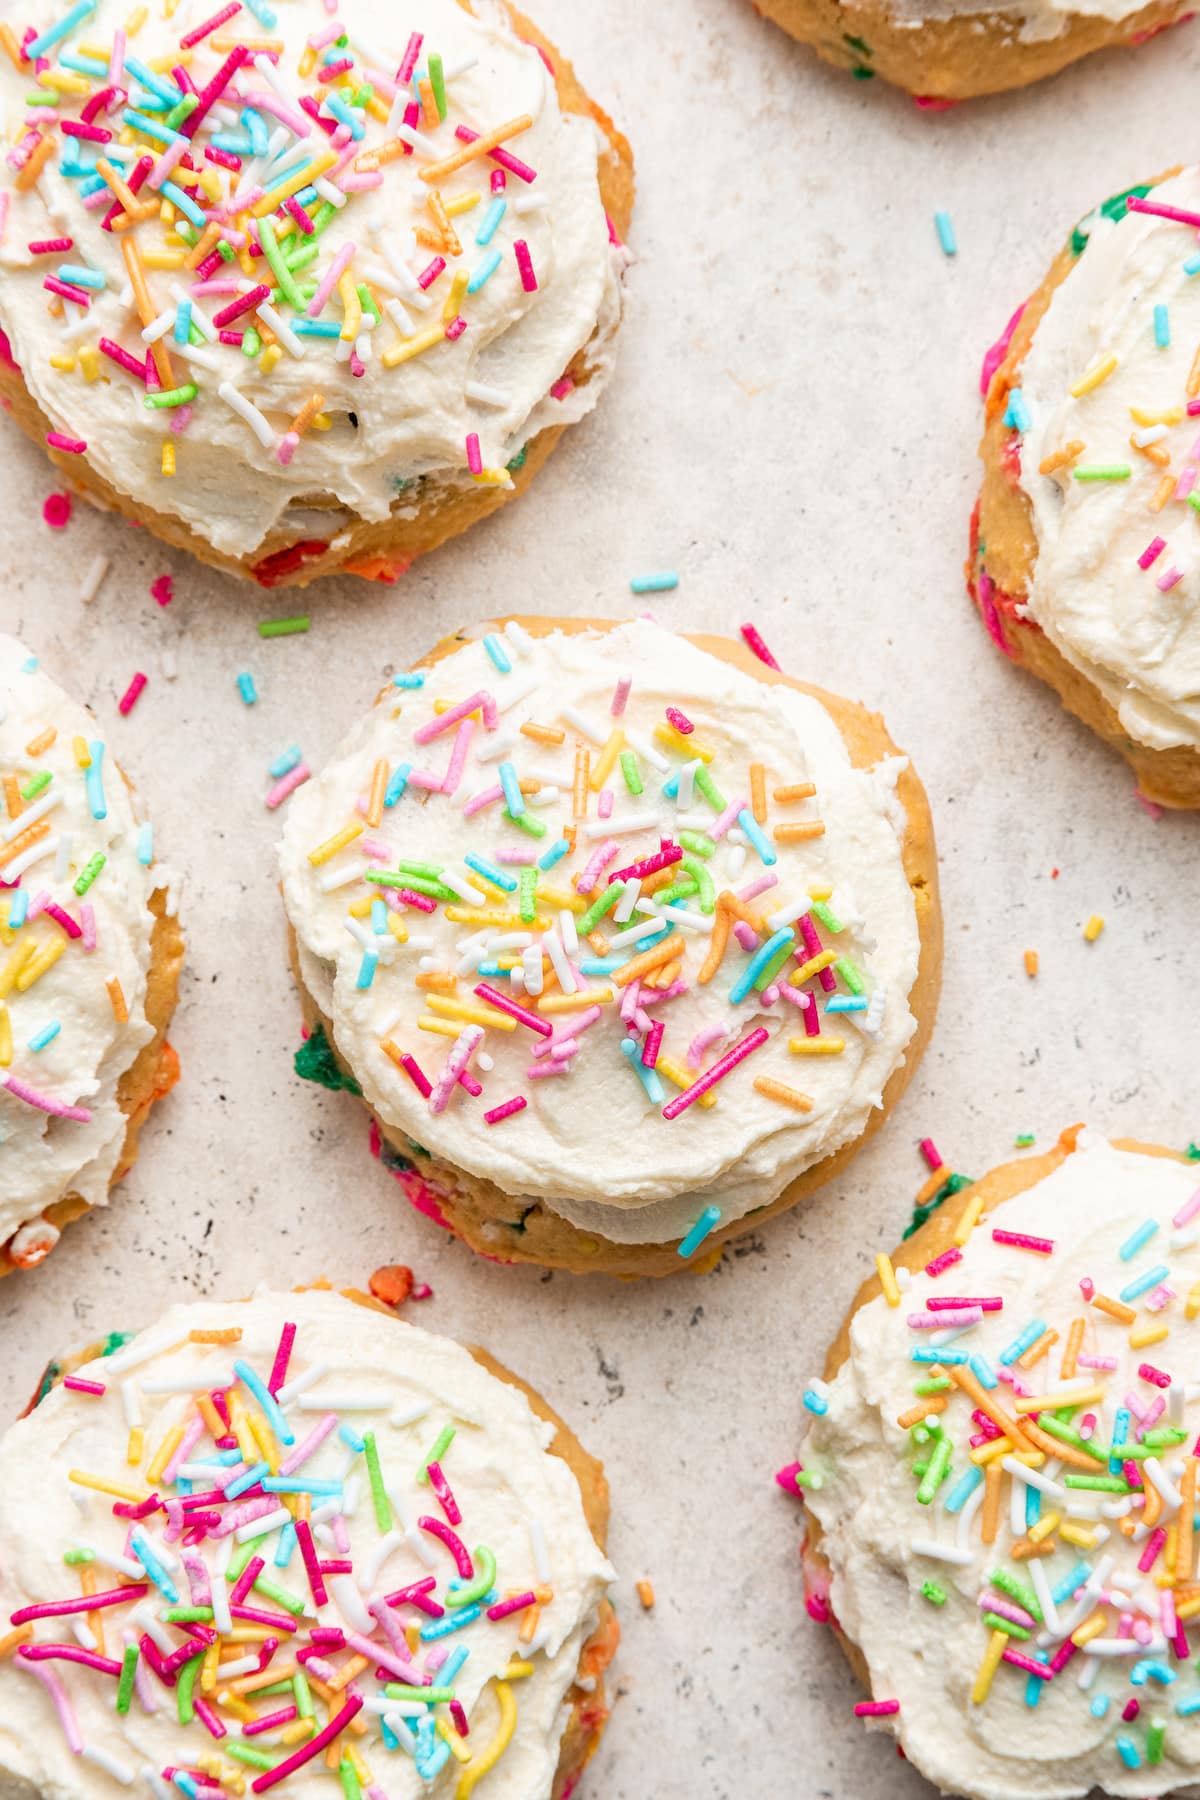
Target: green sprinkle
<point x="698" y="843"/>
<point x="301" y="258"/>
<point x="850" y="975"/>
<point x="437" y="81"/>
<point x="89" y="872"/>
<point x="300" y="1688"/>
<point x="265" y="1585"/>
<point x="188" y="1615"/>
<point x="772" y="966"/>
<point x="996" y="1623"/>
<point x="184" y="1686"/>
<point x="1104" y="472"/>
<point x="518" y="461"/>
<point x="350" y="1784"/>
<point x="129" y="1663"/>
<point x="709" y="789"/>
<point x="1024" y="1139"/>
<point x="433" y="1696"/>
<point x="1154" y="1741"/>
<point x="528" y="823"/>
<point x="439" y="1448"/>
<point x="1163" y="1437"/>
<point x="73" y="1558"/>
<point x="808" y="1479"/>
<point x="241" y="1559"/>
<point x="36" y="784"/>
<point x="383" y="1510"/>
<point x="225" y="251"/>
<point x="186" y="107"/>
<point x="704" y="886"/>
<point x="170" y="397"/>
<point x="429" y="871"/>
<point x="255" y="1759"/>
<point x="935" y="1474"/>
<point x="315" y="1061"/>
<point x="1017" y="1590"/>
<point x="420" y="884"/>
<point x="467" y="1592"/>
<point x="366" y="300"/>
<point x="269" y="628"/>
<point x="1068" y="1435"/>
<point x="528" y="906"/>
<point x="596" y="911"/>
<point x="278" y="267"/>
<point x="1100" y="1484"/>
<point x="629" y="769"/>
<point x="828" y="919"/>
<point x="936" y="1384"/>
<point x="932" y="1592"/>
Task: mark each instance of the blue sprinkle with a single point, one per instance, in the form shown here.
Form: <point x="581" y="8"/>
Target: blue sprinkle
<point x="554" y="854"/>
<point x="704" y="1224"/>
<point x="1070" y="1583"/>
<point x="45" y="1036"/>
<point x="847" y="1003"/>
<point x="265" y="14"/>
<point x="145" y="844"/>
<point x="187" y="1784"/>
<point x="942" y="1355"/>
<point x="259" y="136"/>
<point x="1033" y="1506"/>
<point x="659" y="583"/>
<point x="141" y="1549"/>
<point x="490" y="220"/>
<point x="285" y="761"/>
<point x="349" y="1436"/>
<point x="1100" y="1706"/>
<point x="93" y="779"/>
<point x="1143" y="1283"/>
<point x="249" y="693"/>
<point x="963" y="1488"/>
<point x="266" y="1399"/>
<point x="1190" y="267"/>
<point x="1020" y="1345"/>
<point x="1034" y="1683"/>
<point x="346" y="115"/>
<point x="650" y="1079"/>
<point x="945" y="231"/>
<point x="158" y="84"/>
<point x="1017" y="412"/>
<point x="758" y="838"/>
<point x="983" y="1372"/>
<point x="379" y="916"/>
<point x="396" y="786"/>
<point x="287" y="174"/>
<point x="84" y="278"/>
<point x="183" y="327"/>
<point x="514" y="798"/>
<point x="408" y="681"/>
<point x="233" y="141"/>
<point x="490" y="872"/>
<point x="248" y="1479"/>
<point x="18" y="908"/>
<point x="815" y="1403"/>
<point x="367" y="968"/>
<point x="452" y="1665"/>
<point x="484" y="272"/>
<point x="494" y="972"/>
<point x="1120" y="1434"/>
<point x="1127" y="1751"/>
<point x="497" y="652"/>
<point x="1134" y="1242"/>
<point x="286" y="1546"/>
<point x="152" y="128"/>
<point x="298" y="1484"/>
<point x="326" y="328"/>
<point x="187" y="206"/>
<point x="83" y="65"/>
<point x="54" y="34"/>
<point x="758" y="962"/>
<point x="603" y="965"/>
<point x="30" y="665"/>
<point x="1162" y="327"/>
<point x="1185" y="1708"/>
<point x="441" y="1628"/>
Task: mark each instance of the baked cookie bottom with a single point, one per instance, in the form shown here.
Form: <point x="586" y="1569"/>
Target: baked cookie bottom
<point x="587" y="1698"/>
<point x="962" y="58"/>
<point x="149" y="1078"/>
<point x="383" y="550"/>
<point x="929" y="1240"/>
<point x="1003" y="552"/>
<point x="524" y="1230"/>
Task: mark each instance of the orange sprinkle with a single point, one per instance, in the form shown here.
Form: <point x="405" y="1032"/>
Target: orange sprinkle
<point x="14" y="1640"/>
<point x="798" y="834"/>
<point x="645" y="1593"/>
<point x="1072" y="1348"/>
<point x="583" y="768"/>
<point x="1031" y="962"/>
<point x="1162" y="493"/>
<point x="935" y="1404"/>
<point x="40" y="156"/>
<point x="231" y="1334"/>
<point x="1023" y="1549"/>
<point x="481" y="146"/>
<point x="437" y="207"/>
<point x="116" y="999"/>
<point x="787" y="1096"/>
<point x="12" y="797"/>
<point x="308" y="412"/>
<point x="1154" y="452"/>
<point x="437" y="981"/>
<point x="41" y="742"/>
<point x="758" y="792"/>
<point x="1037" y="1350"/>
<point x="717" y="943"/>
<point x="543" y="734"/>
<point x="991" y="1502"/>
<point x="1062" y="457"/>
<point x="798" y="790"/>
<point x="379" y="781"/>
<point x="642" y="965"/>
<point x="1193" y="380"/>
<point x="1116" y="1309"/>
<point x="25" y="840"/>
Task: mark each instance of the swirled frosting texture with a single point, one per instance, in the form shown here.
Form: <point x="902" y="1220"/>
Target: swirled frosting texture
<point x="1132" y="631"/>
<point x="373" y="1374"/>
<point x="880" y="1541"/>
<point x="592" y="1143"/>
<point x="390" y="426"/>
<point x="46" y="849"/>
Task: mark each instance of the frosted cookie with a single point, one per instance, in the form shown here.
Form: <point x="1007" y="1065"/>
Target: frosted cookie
<point x="89" y="965"/>
<point x="294" y="1545"/>
<point x="1084" y="560"/>
<point x="303" y="294"/>
<point x="943" y="52"/>
<point x="1000" y="1480"/>
<point x="626" y="939"/>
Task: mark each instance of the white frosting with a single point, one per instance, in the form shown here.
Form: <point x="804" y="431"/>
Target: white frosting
<point x="42" y="1158"/>
<point x="927" y="1656"/>
<point x="1037" y="20"/>
<point x="1138" y="644"/>
<point x="413" y="420"/>
<point x="592" y="1145"/>
<point x="511" y="1493"/>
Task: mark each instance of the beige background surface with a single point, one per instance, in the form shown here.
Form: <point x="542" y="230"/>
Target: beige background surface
<point x="793" y="427"/>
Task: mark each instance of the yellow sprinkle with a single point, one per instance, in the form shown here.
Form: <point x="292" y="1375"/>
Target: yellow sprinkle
<point x="1171" y="415"/>
<point x="137" y="1447"/>
<point x="168" y="459"/>
<point x="397" y="928"/>
<point x="686" y="746"/>
<point x="338" y="841"/>
<point x="606" y="761"/>
<point x="493" y="478"/>
<point x="297" y="1731"/>
<point x="992" y="1451"/>
<point x="812" y="967"/>
<point x="485" y="915"/>
<point x="89" y="362"/>
<point x="515" y="1670"/>
<point x="1143" y="1335"/>
<point x="472" y="1012"/>
<point x="1093" y="928"/>
<point x="1049" y="1402"/>
<point x="462" y="203"/>
<point x="449" y="1736"/>
<point x="64" y="81"/>
<point x="1045" y="1525"/>
<point x="1192" y="1305"/>
<point x="1096" y="1626"/>
<point x="45" y="959"/>
<point x="561" y="1003"/>
<point x="293" y="184"/>
<point x="98" y="1485"/>
<point x="487" y="1759"/>
<point x="439" y="1027"/>
<point x="1095" y="375"/>
<point x="269" y="358"/>
<point x="163" y="259"/>
<point x="988" y="1667"/>
<point x="81" y="753"/>
<point x="454" y="298"/>
<point x="887" y="1279"/>
<point x="410" y="347"/>
<point x="6" y="1038"/>
<point x="683" y="1078"/>
<point x="816" y="1046"/>
<point x="63" y="363"/>
<point x="13" y="965"/>
<point x="348" y="293"/>
<point x="165" y="1452"/>
<point x="1072" y="1531"/>
<point x="563" y="897"/>
<point x="969" y="1220"/>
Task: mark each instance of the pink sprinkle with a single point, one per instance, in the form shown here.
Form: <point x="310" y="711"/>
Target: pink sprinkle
<point x="946" y="1260"/>
<point x="943" y="1303"/>
<point x="243" y="304"/>
<point x="621" y="696"/>
<point x="62" y="1705"/>
<point x="589" y="876"/>
<point x="1021" y="1240"/>
<point x="1087" y="1425"/>
<point x="1087" y="1286"/>
<point x="1130" y="1710"/>
<point x="957" y="1319"/>
<point x="563" y="386"/>
<point x="458" y="756"/>
<point x="786" y="1477"/>
<point x="1136" y="204"/>
<point x="504" y="1004"/>
<point x="430" y="272"/>
<point x="416" y="1075"/>
<point x="1152" y="552"/>
<point x="680" y="721"/>
<point x="723" y="821"/>
<point x="445" y="1496"/>
<point x="279" y="1367"/>
<point x="724" y="1066"/>
<point x="128" y="700"/>
<point x="1187" y="1211"/>
<point x="1031" y="1667"/>
<point x="78" y="1385"/>
<point x="474" y="454"/>
<point x="525" y="265"/>
<point x="70" y="446"/>
<point x="1171" y="579"/>
<point x="1159" y="1377"/>
<point x="44" y="1102"/>
<point x="875" y="1709"/>
<point x="163" y="590"/>
<point x="504" y="158"/>
<point x="287" y="785"/>
<point x="752" y="889"/>
<point x="56" y="510"/>
<point x="499" y="181"/>
<point x="662" y="858"/>
<point x="745" y="934"/>
<point x="63" y="919"/>
<point x="455" y="329"/>
<point x="654" y="1038"/>
<point x="604" y="803"/>
<point x="754" y="639"/>
<point x="409" y="61"/>
<point x="1151" y="1551"/>
<point x="517" y="1104"/>
<point x="202" y="31"/>
<point x="480" y="701"/>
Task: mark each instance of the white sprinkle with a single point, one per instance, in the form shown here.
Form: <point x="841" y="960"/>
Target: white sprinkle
<point x="203" y="359"/>
<point x="558" y="957"/>
<point x="531" y="966"/>
<point x="416" y="140"/>
<point x="942" y="1552"/>
<point x="292" y="344"/>
<point x="350" y="1603"/>
<point x="246" y="409"/>
<point x="120" y="1772"/>
<point x="189" y="1381"/>
<point x="620" y="825"/>
<point x="169" y="663"/>
<point x="158" y="328"/>
<point x="274" y="1521"/>
<point x="512" y="695"/>
<point x="38" y="810"/>
<point x="647" y="928"/>
<point x="787" y="915"/>
<point x="570" y="936"/>
<point x="329" y="879"/>
<point x="527" y="203"/>
<point x="483" y="394"/>
<point x="648" y="752"/>
<point x="144" y="1350"/>
<point x="409" y="1415"/>
<point x="93" y="580"/>
<point x="1172" y="1498"/>
<point x="292" y="1389"/>
<point x="623" y="910"/>
<point x="586" y="727"/>
<point x="131" y="1401"/>
<point x="344" y="1402"/>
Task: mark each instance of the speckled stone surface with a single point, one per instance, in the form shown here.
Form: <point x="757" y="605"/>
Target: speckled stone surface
<point x="793" y="427"/>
